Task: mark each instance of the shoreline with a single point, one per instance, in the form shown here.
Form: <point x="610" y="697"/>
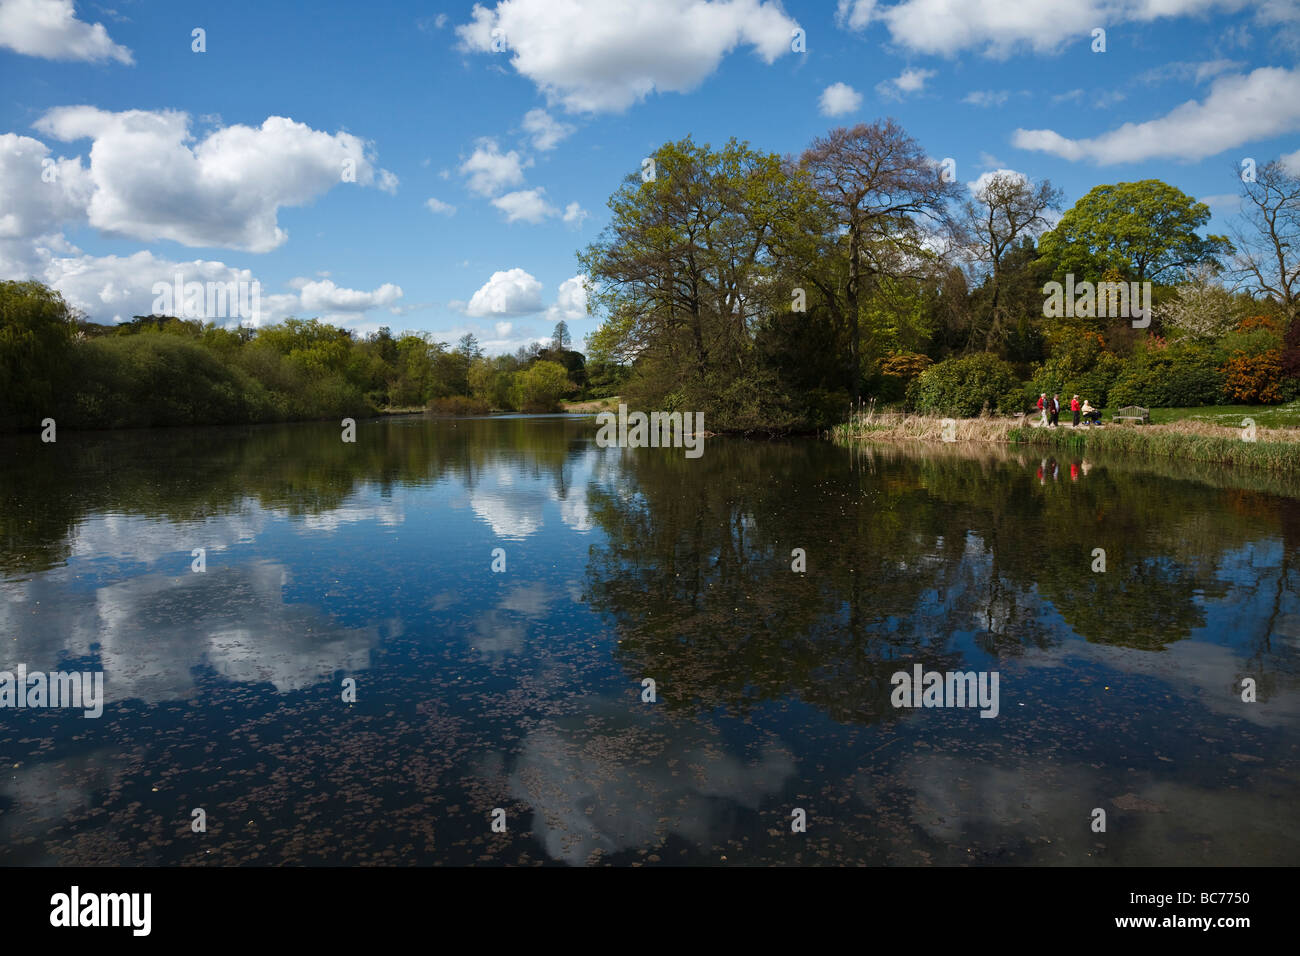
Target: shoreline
<point x="1275" y="450"/>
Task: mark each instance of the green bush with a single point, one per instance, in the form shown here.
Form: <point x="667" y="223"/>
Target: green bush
<point x="540" y="387"/>
<point x="138" y="381"/>
<point x="1174" y="377"/>
<point x="963" y="387"/>
<point x="459" y="405"/>
<point x="1082" y="367"/>
<point x="825" y="408"/>
<point x="749" y="403"/>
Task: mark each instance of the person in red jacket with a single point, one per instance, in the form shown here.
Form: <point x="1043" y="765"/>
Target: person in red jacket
<point x="1042" y="407"/>
<point x="1074" y="407"/>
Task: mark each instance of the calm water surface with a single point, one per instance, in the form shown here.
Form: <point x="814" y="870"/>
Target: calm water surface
<point x="522" y="690"/>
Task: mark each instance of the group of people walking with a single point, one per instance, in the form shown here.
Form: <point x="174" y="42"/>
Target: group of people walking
<point x="1050" y="409"/>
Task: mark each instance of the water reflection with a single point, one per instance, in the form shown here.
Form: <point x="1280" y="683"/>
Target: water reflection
<point x="1120" y="688"/>
<point x="150" y="633"/>
<point x="617" y="780"/>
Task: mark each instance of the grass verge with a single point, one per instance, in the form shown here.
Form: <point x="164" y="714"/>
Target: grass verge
<point x="1269" y="449"/>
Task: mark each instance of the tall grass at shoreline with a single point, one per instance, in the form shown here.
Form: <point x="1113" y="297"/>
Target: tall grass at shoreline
<point x="1274" y="449"/>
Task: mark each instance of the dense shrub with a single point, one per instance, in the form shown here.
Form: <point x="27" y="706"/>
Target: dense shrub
<point x="459" y="405"/>
<point x="605" y="378"/>
<point x="962" y="387"/>
<point x="1255" y="335"/>
<point x="824" y="408"/>
<point x="1253" y="379"/>
<point x="753" y="403"/>
<point x="897" y="372"/>
<point x="540" y="387"/>
<point x="491" y="382"/>
<point x="153" y="379"/>
<point x="1291" y="352"/>
<point x="1178" y="376"/>
<point x="1081" y="366"/>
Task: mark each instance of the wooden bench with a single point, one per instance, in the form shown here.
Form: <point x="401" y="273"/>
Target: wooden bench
<point x="1134" y="413"/>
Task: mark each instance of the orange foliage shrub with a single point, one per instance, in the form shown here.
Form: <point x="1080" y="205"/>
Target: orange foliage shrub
<point x="1254" y="379"/>
<point x="905" y="365"/>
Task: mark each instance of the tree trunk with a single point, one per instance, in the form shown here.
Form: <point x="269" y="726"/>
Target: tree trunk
<point x="851" y="297"/>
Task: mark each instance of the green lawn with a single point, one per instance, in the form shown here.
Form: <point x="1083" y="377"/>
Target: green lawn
<point x="1265" y="416"/>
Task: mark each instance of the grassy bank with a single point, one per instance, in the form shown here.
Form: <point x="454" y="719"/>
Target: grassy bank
<point x="1273" y="449"/>
<point x="1265" y="416"/>
<point x="592" y="406"/>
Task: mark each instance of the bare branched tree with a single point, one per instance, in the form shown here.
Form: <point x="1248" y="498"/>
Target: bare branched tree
<point x="887" y="194"/>
<point x="1267" y="236"/>
<point x="1006" y="207"/>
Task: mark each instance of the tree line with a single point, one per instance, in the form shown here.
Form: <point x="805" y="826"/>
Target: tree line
<point x="161" y="370"/>
<point x="777" y="293"/>
<point x="773" y="293"/>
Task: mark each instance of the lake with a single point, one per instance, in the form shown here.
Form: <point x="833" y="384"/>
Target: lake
<point x="348" y="680"/>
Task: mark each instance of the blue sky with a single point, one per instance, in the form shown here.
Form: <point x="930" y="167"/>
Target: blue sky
<point x="127" y="157"/>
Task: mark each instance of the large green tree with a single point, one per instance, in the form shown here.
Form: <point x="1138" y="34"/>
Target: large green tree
<point x="684" y="271"/>
<point x="36" y="327"/>
<point x="1146" y="230"/>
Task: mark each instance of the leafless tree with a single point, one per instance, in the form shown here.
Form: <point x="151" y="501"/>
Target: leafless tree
<point x="1267" y="236"/>
<point x="886" y="193"/>
<point x="1005" y="207"/>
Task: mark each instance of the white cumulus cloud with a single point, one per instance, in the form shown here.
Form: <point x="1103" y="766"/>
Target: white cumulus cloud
<point x="570" y="301"/>
<point x="574" y="214"/>
<point x="50" y="29"/>
<point x="489" y="170"/>
<point x="525" y="205"/>
<point x="909" y="81"/>
<point x="39" y="194"/>
<point x="546" y="131"/>
<point x="151" y="180"/>
<point x="606" y="55"/>
<point x="114" y="288"/>
<point x="512" y="292"/>
<point x="1238" y="109"/>
<point x="998" y="29"/>
<point x="838" y="99"/>
<point x="326" y="298"/>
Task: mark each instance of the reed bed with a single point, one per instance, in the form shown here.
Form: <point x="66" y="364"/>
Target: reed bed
<point x="1273" y="449"/>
